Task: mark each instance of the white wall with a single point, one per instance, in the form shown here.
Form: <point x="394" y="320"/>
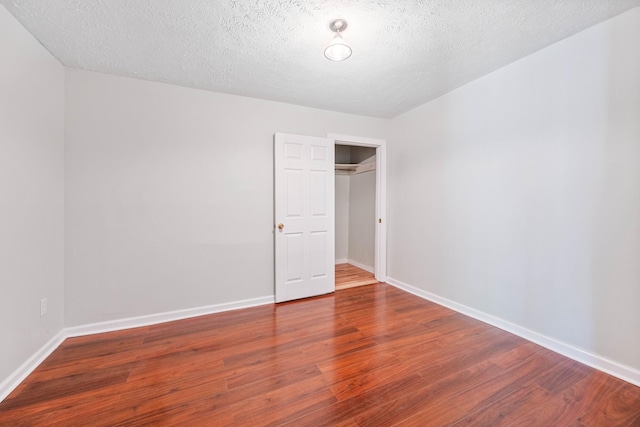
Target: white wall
<point x="342" y="217"/>
<point x="169" y="194"/>
<point x="31" y="194"/>
<point x="342" y="154"/>
<point x="519" y="194"/>
<point x="362" y="218"/>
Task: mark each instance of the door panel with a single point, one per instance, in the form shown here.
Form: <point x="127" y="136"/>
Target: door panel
<point x="318" y="194"/>
<point x="318" y="251"/>
<point x="293" y="193"/>
<point x="304" y="206"/>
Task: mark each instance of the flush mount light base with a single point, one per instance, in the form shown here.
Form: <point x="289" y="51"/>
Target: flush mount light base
<point x="338" y="25"/>
<point x="337" y="50"/>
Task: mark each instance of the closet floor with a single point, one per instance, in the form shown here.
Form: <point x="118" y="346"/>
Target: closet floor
<point x="349" y="276"/>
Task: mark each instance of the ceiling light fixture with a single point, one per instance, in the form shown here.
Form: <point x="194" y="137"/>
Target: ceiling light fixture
<point x="337" y="50"/>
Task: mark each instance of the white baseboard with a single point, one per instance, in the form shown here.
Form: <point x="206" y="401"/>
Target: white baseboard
<point x="342" y="261"/>
<point x="611" y="367"/>
<point x="153" y="319"/>
<point x="14" y="380"/>
<point x="362" y="266"/>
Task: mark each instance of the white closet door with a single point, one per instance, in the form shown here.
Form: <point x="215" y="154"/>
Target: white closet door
<point x="304" y="216"/>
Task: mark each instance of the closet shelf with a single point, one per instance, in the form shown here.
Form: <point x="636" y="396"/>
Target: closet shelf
<point x="355" y="168"/>
<point x="346" y="167"/>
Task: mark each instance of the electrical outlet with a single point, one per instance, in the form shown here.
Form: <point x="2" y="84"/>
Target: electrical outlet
<point x="43" y="307"/>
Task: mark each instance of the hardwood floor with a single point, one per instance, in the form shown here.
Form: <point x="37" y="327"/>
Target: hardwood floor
<point x="350" y="276"/>
<point x="366" y="356"/>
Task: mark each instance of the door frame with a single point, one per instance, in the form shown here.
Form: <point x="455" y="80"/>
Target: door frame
<point x="380" y="262"/>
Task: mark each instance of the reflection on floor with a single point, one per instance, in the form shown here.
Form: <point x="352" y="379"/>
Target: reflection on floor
<point x="349" y="276"/>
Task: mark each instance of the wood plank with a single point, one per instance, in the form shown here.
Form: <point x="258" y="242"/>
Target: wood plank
<point x="369" y="355"/>
<point x="430" y="396"/>
<point x="620" y="408"/>
<point x="565" y="409"/>
<point x="495" y="390"/>
<point x="350" y="276"/>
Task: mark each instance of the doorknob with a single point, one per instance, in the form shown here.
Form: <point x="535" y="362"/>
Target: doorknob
<point x="280" y="226"/>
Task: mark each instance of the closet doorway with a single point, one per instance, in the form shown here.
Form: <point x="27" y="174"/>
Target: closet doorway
<point x="359" y="211"/>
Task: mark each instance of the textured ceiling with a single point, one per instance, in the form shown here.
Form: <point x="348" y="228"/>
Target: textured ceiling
<point x="405" y="52"/>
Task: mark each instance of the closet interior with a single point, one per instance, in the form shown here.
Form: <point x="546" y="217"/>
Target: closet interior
<point x="355" y="215"/>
